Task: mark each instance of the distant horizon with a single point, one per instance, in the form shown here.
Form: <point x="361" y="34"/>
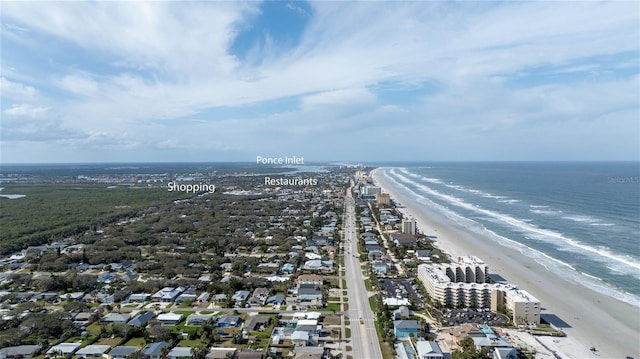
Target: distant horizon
<point x="312" y="163"/>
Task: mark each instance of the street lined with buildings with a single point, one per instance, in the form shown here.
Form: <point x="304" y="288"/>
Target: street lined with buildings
<point x="364" y="338"/>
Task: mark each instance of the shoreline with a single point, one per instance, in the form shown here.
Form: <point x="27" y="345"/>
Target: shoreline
<point x="590" y="319"/>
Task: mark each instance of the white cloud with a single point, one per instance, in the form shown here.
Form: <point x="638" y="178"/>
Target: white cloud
<point x="26" y="110"/>
<point x="172" y="61"/>
<point x="80" y="84"/>
<point x="15" y="90"/>
<point x="350" y="97"/>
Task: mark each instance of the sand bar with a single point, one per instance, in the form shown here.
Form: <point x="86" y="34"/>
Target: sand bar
<point x="589" y="318"/>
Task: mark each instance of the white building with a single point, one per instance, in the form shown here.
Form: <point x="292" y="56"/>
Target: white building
<point x="428" y="350"/>
<point x="463" y="284"/>
<point x="371" y="190"/>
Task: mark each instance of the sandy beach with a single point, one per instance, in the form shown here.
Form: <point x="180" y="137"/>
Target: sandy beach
<point x="589" y="318"/>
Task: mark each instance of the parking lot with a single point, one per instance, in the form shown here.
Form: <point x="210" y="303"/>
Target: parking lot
<point x="403" y="288"/>
<point x="454" y="317"/>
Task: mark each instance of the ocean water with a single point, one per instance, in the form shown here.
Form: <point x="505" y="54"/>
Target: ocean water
<point x="581" y="220"/>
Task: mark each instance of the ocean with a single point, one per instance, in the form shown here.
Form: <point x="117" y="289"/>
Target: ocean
<point x="581" y="220"/>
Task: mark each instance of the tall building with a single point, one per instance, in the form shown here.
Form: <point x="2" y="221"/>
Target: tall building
<point x="409" y="226"/>
<point x="383" y="199"/>
<point x="463" y="284"/>
<point x="371" y="190"/>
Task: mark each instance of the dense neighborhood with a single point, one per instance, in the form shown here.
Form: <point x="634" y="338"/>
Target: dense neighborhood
<point x="251" y="271"/>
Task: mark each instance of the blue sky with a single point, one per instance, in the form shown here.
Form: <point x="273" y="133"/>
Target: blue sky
<point x="348" y="81"/>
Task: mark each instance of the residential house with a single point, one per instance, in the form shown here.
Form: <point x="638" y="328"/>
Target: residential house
<point x="505" y="353"/>
<point x="249" y="354"/>
<point x="167" y="294"/>
<point x="186" y="297"/>
<point x="402" y="313"/>
<point x="371" y="244"/>
<point x="44" y="296"/>
<point x="428" y="350"/>
<point x="180" y="352"/>
<point x="300" y="338"/>
<point x="309" y="292"/>
<point x="228" y="321"/>
<point x="404" y="350"/>
<point x="82" y="319"/>
<point x="115" y="318"/>
<point x="318" y="265"/>
<point x="256" y="322"/>
<point x="129" y="276"/>
<point x="288" y="267"/>
<point x="203" y="297"/>
<point x="259" y="296"/>
<point x="489" y="340"/>
<point x="93" y="351"/>
<point x="423" y="255"/>
<point x="122" y="352"/>
<point x="402" y="329"/>
<point x="221" y="353"/>
<point x="141" y="319"/>
<point x="139" y="297"/>
<point x="275" y="300"/>
<point x="301" y="352"/>
<point x="313" y="279"/>
<point x="170" y="318"/>
<point x="71" y="296"/>
<point x="155" y="350"/>
<point x="220" y="298"/>
<point x="375" y="255"/>
<point x="20" y="351"/>
<point x="240" y="297"/>
<point x="379" y="267"/>
<point x="404" y="239"/>
<point x="308" y="325"/>
<point x="198" y="319"/>
<point x="63" y="349"/>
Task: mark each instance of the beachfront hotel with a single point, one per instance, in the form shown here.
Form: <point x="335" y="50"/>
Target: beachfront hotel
<point x="463" y="284"/>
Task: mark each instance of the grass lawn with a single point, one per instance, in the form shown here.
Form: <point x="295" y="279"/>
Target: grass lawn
<point x="136" y="342"/>
<point x="186" y="313"/>
<point x="113" y="342"/>
<point x="189" y="343"/>
<point x="367" y="284"/>
<point x="94" y="328"/>
<point x="332" y="307"/>
<point x="330" y="319"/>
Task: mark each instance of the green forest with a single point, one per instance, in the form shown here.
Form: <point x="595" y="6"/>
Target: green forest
<point x="53" y="211"/>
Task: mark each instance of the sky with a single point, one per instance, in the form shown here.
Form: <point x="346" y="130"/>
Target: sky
<point x="167" y="81"/>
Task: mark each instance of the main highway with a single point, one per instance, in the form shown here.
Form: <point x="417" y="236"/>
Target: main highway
<point x="364" y="339"/>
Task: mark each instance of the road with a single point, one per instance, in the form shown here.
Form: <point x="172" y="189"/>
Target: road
<point x="364" y="338"/>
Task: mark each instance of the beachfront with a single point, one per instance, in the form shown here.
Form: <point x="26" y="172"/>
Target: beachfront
<point x="590" y="319"/>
